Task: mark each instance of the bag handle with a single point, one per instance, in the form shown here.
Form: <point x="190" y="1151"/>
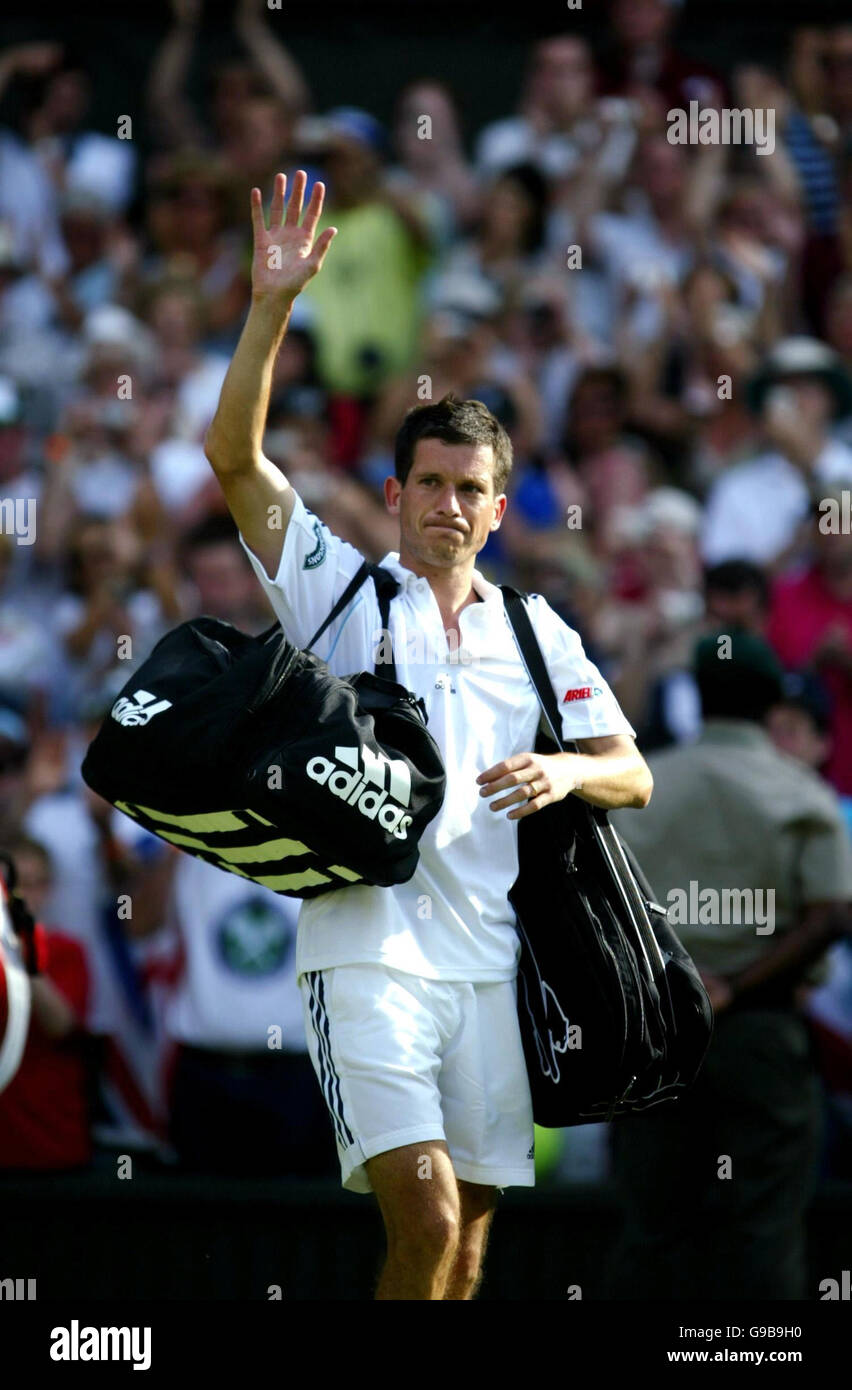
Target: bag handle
<point x="386" y="588"/>
<point x="531" y="655"/>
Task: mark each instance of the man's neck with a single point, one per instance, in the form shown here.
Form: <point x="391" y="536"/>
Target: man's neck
<point x="451" y="585"/>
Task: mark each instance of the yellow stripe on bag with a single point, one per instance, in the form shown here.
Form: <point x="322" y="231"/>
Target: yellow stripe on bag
<point x="240" y="854"/>
<point x="344" y="873"/>
<point x="308" y="879"/>
<point x="211" y="820"/>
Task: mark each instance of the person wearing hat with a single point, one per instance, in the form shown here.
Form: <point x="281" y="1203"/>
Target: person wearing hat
<point x="716" y="1189"/>
<point x="755" y="508"/>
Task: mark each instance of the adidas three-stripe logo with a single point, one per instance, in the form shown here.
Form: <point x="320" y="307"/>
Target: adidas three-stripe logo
<point x="139" y="710"/>
<point x="378" y="787"/>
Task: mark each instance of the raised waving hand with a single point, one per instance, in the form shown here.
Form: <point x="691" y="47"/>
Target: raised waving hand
<point x="287" y="253"/>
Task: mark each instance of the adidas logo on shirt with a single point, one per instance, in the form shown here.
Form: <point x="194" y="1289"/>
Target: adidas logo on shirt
<point x="139" y="710"/>
<point x="380" y="788"/>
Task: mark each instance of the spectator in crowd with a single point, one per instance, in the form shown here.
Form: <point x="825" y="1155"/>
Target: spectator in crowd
<point x="715" y="1194"/>
<point x="242" y="1093"/>
<point x="755" y="510"/>
<point x="367" y="314"/>
<point x="76" y="160"/>
<point x="736" y="595"/>
<point x="508" y="246"/>
<point x="432" y="161"/>
<point x="268" y="69"/>
<point x="810" y="623"/>
<point x="29" y="204"/>
<point x="560" y="122"/>
<point x="221" y="576"/>
<point x="648" y="630"/>
<point x="45" y="1110"/>
<point x="190" y="216"/>
<point x="800" y="725"/>
<point x="642" y="58"/>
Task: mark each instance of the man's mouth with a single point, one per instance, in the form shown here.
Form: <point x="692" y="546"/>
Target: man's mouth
<point x="444" y="526"/>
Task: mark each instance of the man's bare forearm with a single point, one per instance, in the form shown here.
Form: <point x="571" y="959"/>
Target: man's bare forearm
<point x="235" y="438"/>
<point x="611" y="780"/>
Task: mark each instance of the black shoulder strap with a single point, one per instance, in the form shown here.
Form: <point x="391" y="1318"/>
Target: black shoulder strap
<point x="346" y="597"/>
<point x="386" y="587"/>
<point x="531" y="655"/>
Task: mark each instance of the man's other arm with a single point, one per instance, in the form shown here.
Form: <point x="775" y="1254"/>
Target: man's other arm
<point x="286" y="257"/>
<point x="609" y="771"/>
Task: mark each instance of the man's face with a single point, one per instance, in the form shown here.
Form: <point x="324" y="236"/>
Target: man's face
<point x="742" y="608"/>
<point x="562" y="78"/>
<point x="223" y="579"/>
<point x="447" y="507"/>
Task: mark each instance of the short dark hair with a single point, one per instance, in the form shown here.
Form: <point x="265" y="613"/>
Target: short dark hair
<point x="737" y="577"/>
<point x="216" y="528"/>
<point x="453" y="421"/>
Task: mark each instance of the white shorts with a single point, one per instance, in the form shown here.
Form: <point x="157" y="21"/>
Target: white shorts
<point x="402" y="1060"/>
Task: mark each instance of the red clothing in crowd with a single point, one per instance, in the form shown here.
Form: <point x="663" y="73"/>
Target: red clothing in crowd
<point x="44" y="1115"/>
<point x="802" y="610"/>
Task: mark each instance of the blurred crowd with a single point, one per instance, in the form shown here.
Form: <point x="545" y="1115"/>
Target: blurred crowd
<point x="665" y="331"/>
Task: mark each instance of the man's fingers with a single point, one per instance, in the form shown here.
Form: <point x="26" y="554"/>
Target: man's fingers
<point x="516" y="797"/>
<point x="313" y="212"/>
<point x="276" y="209"/>
<point x="320" y="250"/>
<point x="528" y="808"/>
<point x="518" y="761"/>
<point x="257" y="220"/>
<point x="297" y="193"/>
<point x="512" y="779"/>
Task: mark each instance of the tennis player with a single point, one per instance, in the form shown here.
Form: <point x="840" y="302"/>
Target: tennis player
<point x="409" y="992"/>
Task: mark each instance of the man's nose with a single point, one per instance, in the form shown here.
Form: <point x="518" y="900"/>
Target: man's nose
<point x="449" y="502"/>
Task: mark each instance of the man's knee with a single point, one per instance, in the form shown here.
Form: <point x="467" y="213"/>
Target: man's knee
<point x="422" y="1216"/>
<point x="428" y="1233"/>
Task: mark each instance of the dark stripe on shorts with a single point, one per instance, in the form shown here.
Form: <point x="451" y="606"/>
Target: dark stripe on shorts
<point x="328" y="1076"/>
<point x="335" y="1077"/>
<point x="324" y="1077"/>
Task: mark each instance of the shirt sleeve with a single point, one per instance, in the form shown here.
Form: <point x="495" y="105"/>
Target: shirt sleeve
<point x="587" y="705"/>
<point x="314" y="569"/>
<point x="825" y="865"/>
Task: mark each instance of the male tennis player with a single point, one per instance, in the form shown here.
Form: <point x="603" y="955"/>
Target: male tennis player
<point x="410" y="991"/>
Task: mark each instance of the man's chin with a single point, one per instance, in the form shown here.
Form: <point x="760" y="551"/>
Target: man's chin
<point x="446" y="549"/>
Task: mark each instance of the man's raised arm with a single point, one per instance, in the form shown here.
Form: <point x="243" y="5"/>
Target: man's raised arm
<point x="285" y="259"/>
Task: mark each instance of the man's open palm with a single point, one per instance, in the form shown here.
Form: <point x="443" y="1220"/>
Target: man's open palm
<point x="286" y="256"/>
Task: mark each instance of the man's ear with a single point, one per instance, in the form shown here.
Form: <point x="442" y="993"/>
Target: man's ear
<point x="499" y="511"/>
<point x="393" y="488"/>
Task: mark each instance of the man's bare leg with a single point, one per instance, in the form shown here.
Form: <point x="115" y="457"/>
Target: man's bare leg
<point x="419" y="1200"/>
<point x="477" y="1210"/>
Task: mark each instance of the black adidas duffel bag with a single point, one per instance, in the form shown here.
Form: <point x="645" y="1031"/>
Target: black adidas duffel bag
<point x="613" y="1014"/>
<point x="249" y="753"/>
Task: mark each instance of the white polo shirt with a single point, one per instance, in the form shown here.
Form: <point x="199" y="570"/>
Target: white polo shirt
<point x="452" y="920"/>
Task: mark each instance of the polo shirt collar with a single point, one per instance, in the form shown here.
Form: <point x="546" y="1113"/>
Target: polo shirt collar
<point x="742" y="732"/>
<point x="407" y="579"/>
